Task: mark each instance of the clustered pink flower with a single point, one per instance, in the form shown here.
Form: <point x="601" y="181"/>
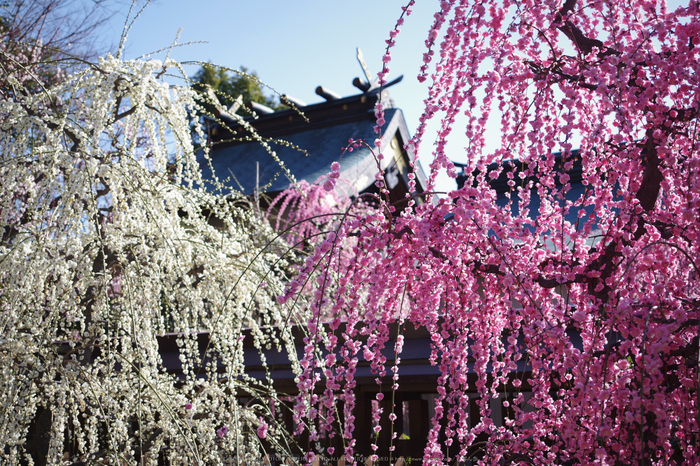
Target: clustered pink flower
<point x="333" y="176"/>
<point x="222" y="431"/>
<point x="575" y="289"/>
<point x="262" y="429"/>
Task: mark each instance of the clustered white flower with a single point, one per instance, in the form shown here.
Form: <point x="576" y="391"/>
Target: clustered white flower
<point x="109" y="239"/>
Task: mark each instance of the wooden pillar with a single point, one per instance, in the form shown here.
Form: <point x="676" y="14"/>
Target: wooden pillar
<point x="363" y="424"/>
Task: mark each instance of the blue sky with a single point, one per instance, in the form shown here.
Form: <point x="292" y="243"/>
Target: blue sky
<point x="294" y="46"/>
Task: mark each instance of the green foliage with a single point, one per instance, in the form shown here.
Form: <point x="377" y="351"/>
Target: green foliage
<point x="229" y="84"/>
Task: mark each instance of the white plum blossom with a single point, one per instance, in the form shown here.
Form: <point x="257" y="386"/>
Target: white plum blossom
<point x="110" y="239"/>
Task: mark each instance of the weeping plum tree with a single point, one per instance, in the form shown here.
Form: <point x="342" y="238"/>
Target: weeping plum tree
<point x="581" y="306"/>
<point x="110" y="239"/>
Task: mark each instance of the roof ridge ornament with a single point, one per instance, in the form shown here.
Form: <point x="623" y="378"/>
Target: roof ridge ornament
<point x="371" y="80"/>
<point x="371" y="85"/>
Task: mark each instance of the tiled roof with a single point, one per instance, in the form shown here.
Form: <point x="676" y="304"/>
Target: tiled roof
<point x="329" y="127"/>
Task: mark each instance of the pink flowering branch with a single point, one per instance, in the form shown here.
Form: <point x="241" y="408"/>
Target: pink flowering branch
<point x="565" y="285"/>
